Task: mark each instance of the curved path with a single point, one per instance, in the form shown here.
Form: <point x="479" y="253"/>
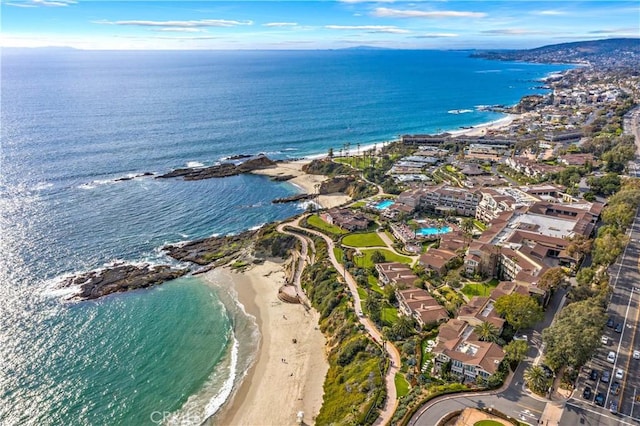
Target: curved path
<point x="391" y="402"/>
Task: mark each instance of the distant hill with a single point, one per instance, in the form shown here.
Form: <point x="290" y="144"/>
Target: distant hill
<point x="609" y="53"/>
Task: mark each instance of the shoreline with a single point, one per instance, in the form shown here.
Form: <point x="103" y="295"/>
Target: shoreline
<point x="284" y="375"/>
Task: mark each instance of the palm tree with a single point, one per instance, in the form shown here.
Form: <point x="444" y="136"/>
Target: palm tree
<point x="487" y="332"/>
<point x="404" y="326"/>
<point x="536" y="379"/>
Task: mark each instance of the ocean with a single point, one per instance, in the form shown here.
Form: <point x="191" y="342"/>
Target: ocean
<point x="74" y="122"/>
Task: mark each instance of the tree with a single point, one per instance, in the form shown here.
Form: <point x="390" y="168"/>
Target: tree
<point x="403" y="328"/>
<point x="620" y="215"/>
<point x="585" y="276"/>
<point x="536" y="379"/>
<point x="607" y="248"/>
<point x="467" y="225"/>
<point x="579" y="246"/>
<point x="516" y="350"/>
<point x="373" y="306"/>
<point x="330" y="153"/>
<point x="551" y="278"/>
<point x="486" y="331"/>
<point x="575" y="335"/>
<point x="519" y="310"/>
<point x="377" y="257"/>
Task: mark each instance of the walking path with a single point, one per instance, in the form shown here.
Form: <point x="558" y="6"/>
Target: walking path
<point x="391" y="402"/>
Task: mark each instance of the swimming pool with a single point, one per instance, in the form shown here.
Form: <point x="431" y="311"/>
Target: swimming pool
<point x="433" y="231"/>
<point x="384" y="204"/>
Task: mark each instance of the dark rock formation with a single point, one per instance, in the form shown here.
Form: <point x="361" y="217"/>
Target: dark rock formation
<point x="282" y="178"/>
<point x="221" y="170"/>
<point x="120" y="278"/>
<point x="216" y="250"/>
<point x="291" y="199"/>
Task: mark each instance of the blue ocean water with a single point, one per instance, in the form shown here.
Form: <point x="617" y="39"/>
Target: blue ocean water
<point x="74" y="121"/>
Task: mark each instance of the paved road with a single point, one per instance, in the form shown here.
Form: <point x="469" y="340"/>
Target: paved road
<point x="624" y="309"/>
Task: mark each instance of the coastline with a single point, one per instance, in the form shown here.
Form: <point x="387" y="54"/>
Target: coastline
<point x="306" y="182"/>
<point x="286" y="377"/>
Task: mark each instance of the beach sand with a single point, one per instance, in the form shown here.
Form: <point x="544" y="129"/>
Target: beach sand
<point x="307" y="183"/>
<point x="287" y="377"/>
<point x="483" y="129"/>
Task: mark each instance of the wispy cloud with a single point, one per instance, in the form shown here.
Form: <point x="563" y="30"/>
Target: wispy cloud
<point x="384" y="12"/>
<point x="549" y="12"/>
<point x="179" y="24"/>
<point x="45" y="3"/>
<point x="436" y="35"/>
<point x="280" y="24"/>
<point x="629" y="30"/>
<point x="182" y="30"/>
<point x="369" y="28"/>
<point x="513" y="32"/>
<point x="366" y="1"/>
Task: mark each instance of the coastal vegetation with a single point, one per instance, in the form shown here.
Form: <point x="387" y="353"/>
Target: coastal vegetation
<point x="354" y="385"/>
<point x="316" y="222"/>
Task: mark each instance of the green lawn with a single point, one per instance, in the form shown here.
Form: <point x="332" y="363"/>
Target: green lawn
<point x="338" y="253"/>
<point x="362" y="293"/>
<point x="370" y="239"/>
<point x="316" y="221"/>
<point x="488" y="423"/>
<point x="358" y="204"/>
<point x="481" y="226"/>
<point x="389" y="315"/>
<point x="402" y="386"/>
<point x="479" y="289"/>
<point x="389" y="256"/>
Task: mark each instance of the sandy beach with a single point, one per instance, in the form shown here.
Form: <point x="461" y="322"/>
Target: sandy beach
<point x="483" y="129"/>
<point x="287" y="377"/>
<point x="307" y="183"/>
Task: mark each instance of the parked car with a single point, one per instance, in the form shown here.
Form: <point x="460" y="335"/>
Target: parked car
<point x="610" y="322"/>
<point x="594" y="374"/>
<point x="586" y="394"/>
<point x="619" y="373"/>
<point x="547" y="371"/>
<point x="611" y="357"/>
<point x="636" y="354"/>
<point x="613" y="407"/>
<point x="604" y="340"/>
<point x="600" y="399"/>
<point x="615" y="388"/>
<point x="605" y="376"/>
<point x="618" y="328"/>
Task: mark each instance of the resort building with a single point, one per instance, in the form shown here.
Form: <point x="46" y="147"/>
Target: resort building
<point x="470" y="358"/>
<point x="346" y="219"/>
<point x="396" y="274"/>
<point x="444" y="199"/>
<point x="437" y="260"/>
<point x="418" y="304"/>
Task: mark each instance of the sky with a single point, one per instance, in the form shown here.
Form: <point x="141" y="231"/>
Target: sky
<point x="323" y="24"/>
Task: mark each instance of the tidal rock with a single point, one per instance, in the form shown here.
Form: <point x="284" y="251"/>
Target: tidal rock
<point x="120" y="278"/>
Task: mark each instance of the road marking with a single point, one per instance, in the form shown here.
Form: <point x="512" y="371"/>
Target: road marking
<point x="618" y="420"/>
<point x="615" y="363"/>
<point x="624" y="254"/>
<point x="633" y="339"/>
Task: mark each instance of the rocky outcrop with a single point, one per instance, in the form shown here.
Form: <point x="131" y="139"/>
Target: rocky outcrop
<point x="282" y="178"/>
<point x="293" y="198"/>
<point x="120" y="278"/>
<point x="336" y="184"/>
<point x="212" y="250"/>
<point x="221" y="170"/>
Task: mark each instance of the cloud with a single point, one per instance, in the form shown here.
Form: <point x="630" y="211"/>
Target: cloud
<point x="384" y="12"/>
<point x="280" y="24"/>
<point x="630" y="30"/>
<point x="513" y="32"/>
<point x="549" y="13"/>
<point x="436" y="35"/>
<point x="179" y="24"/>
<point x="366" y="1"/>
<point x="182" y="30"/>
<point x="46" y="3"/>
<point x="369" y="28"/>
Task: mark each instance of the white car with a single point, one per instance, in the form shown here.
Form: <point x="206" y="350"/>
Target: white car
<point x="611" y="357"/>
<point x="604" y="340"/>
<point x="619" y="373"/>
<point x="636" y="354"/>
